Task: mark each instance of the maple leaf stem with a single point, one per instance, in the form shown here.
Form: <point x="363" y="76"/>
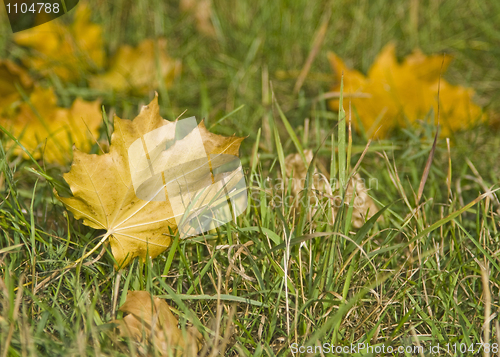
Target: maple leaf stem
<point x="104" y="238"/>
<point x="72" y="265"/>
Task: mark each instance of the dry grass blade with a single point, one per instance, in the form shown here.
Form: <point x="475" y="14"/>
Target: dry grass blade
<point x="17" y="303"/>
<point x="427" y="168"/>
<point x="354" y="170"/>
<point x="485" y="277"/>
<point x="318" y="40"/>
<point x="428" y="164"/>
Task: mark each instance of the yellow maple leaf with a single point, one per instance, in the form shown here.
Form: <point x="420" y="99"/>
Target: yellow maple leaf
<point x="141" y="191"/>
<point x="50" y="131"/>
<point x="10" y="75"/>
<point x="395" y="93"/>
<point x="135" y="69"/>
<point x="64" y="50"/>
<point x="150" y="320"/>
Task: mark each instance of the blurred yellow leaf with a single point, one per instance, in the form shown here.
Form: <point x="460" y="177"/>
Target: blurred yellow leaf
<point x="46" y="129"/>
<point x="137" y="70"/>
<point x="10" y="75"/>
<point x="149" y="320"/>
<point x="201" y="11"/>
<point x="64" y="50"/>
<point x="395" y="93"/>
<point x="142" y="191"/>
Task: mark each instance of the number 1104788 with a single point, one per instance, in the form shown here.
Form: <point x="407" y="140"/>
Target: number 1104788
<point x="39" y="7"/>
<point x="474" y="348"/>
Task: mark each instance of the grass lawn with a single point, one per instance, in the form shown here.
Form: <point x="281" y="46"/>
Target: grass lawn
<point x="424" y="272"/>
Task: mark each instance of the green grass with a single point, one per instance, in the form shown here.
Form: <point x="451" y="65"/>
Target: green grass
<point x="277" y="276"/>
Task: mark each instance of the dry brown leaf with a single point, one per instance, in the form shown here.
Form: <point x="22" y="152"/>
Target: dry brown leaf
<point x="202" y="11"/>
<point x="10" y="75"/>
<point x="64" y="50"/>
<point x="106" y="187"/>
<point x="364" y="207"/>
<point x="393" y="93"/>
<point x="135" y="69"/>
<point x="150" y="321"/>
<point x="50" y="131"/>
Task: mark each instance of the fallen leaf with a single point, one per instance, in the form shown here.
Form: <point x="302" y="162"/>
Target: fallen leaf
<point x="11" y="75"/>
<point x="296" y="172"/>
<point x="202" y="11"/>
<point x="66" y="51"/>
<point x="150" y="320"/>
<point x="50" y="131"/>
<point x="135" y="69"/>
<point x="393" y="94"/>
<point x="143" y="190"/>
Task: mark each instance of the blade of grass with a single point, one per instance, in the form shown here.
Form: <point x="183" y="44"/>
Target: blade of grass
<point x="341" y="141"/>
